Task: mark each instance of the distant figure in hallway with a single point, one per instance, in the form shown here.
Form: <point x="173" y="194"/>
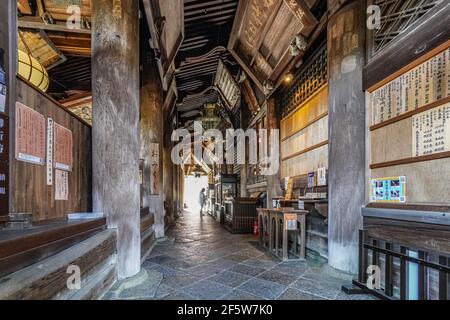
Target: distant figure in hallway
<point x="202" y="200"/>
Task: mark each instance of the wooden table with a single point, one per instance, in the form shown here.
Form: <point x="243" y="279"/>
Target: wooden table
<point x="274" y="232"/>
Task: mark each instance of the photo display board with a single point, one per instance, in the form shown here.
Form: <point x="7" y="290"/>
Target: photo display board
<point x="30" y="135"/>
<point x="389" y="190"/>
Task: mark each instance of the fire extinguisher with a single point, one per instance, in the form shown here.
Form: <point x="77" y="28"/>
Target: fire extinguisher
<point x="255" y="228"/>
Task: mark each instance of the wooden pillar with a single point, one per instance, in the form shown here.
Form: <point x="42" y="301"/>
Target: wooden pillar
<point x="273" y="181"/>
<point x="115" y="131"/>
<point x="168" y="181"/>
<point x="8" y="43"/>
<point x="346" y="57"/>
<point x="152" y="132"/>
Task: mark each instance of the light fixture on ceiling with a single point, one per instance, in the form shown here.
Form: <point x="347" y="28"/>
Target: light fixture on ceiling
<point x="289" y="77"/>
<point x="31" y="70"/>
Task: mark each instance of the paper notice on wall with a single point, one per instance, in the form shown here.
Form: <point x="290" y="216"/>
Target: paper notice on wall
<point x="49" y="151"/>
<point x="389" y="190"/>
<point x="61" y="185"/>
<point x="2" y="91"/>
<point x="63" y="149"/>
<point x="322" y="177"/>
<point x="431" y="131"/>
<point x="30" y="135"/>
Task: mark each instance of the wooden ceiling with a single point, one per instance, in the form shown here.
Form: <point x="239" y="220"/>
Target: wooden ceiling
<point x="73" y="75"/>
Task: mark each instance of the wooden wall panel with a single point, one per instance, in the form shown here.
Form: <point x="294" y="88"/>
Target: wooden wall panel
<point x="392" y="142"/>
<point x="305" y="163"/>
<point x="306" y="138"/>
<point x="426" y="182"/>
<point x="30" y="192"/>
<point x="313" y="109"/>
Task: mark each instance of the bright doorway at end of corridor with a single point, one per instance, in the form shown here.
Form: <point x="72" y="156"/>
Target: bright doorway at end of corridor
<point x="193" y="187"/>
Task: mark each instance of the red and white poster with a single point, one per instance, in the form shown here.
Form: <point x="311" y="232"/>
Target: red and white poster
<point x="155" y="187"/>
<point x="30" y="135"/>
<point x="63" y="151"/>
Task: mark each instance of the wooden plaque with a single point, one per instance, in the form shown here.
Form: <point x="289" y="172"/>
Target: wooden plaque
<point x="155" y="187"/>
<point x="262" y="33"/>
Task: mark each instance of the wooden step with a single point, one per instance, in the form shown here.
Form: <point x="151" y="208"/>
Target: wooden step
<point x="47" y="279"/>
<point x="21" y="248"/>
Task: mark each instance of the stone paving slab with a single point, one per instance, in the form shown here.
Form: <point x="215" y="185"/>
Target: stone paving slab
<point x="200" y="260"/>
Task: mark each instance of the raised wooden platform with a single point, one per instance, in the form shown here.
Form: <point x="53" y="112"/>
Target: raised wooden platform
<point x="96" y="258"/>
<point x="21" y="248"/>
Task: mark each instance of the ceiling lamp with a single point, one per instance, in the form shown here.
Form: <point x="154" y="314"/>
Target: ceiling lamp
<point x="32" y="71"/>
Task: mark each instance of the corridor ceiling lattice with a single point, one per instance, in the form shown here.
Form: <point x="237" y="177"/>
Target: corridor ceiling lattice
<point x="397" y="16"/>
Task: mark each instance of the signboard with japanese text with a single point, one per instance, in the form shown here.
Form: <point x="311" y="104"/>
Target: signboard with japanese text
<point x="155" y="169"/>
<point x="431" y="131"/>
<point x="63" y="150"/>
<point x="30" y="135"/>
<point x="290" y="221"/>
<point x="61" y="185"/>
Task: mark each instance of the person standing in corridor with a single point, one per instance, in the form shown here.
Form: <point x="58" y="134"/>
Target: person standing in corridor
<point x="202" y="201"/>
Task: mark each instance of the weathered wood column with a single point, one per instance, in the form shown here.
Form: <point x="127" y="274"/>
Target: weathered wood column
<point x="346" y="57"/>
<point x="8" y="43"/>
<point x="115" y="131"/>
<point x="273" y="181"/>
<point x="152" y="132"/>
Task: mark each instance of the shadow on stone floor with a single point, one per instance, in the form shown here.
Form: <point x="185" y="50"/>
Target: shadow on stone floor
<point x="200" y="260"/>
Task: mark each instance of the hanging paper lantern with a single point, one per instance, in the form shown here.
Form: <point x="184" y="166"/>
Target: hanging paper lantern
<point x="33" y="71"/>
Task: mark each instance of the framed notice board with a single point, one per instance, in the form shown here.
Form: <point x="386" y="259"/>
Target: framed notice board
<point x="30" y="135"/>
<point x="63" y="151"/>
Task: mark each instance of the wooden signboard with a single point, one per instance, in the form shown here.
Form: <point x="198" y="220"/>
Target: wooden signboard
<point x="431" y="131"/>
<point x="155" y="187"/>
<point x="262" y="33"/>
<point x="63" y="150"/>
<point x="166" y="23"/>
<point x="30" y="135"/>
<point x="289" y="189"/>
<point x="4" y="138"/>
<point x="227" y="86"/>
<point x="4" y="187"/>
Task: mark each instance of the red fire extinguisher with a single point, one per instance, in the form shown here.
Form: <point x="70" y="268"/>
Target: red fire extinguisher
<point x="255" y="228"/>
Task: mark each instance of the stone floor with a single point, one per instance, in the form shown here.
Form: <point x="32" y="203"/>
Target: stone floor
<point x="200" y="260"/>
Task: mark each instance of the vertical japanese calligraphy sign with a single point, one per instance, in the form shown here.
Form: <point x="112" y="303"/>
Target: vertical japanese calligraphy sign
<point x="61" y="185"/>
<point x="155" y="187"/>
<point x="63" y="149"/>
<point x="4" y="164"/>
<point x="30" y="135"/>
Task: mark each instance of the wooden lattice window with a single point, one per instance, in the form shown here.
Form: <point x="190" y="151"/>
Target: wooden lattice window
<point x="397" y="16"/>
<point x="310" y="79"/>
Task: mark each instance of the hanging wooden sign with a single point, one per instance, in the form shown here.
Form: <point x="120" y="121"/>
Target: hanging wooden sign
<point x="155" y="169"/>
<point x="262" y="34"/>
<point x="50" y="151"/>
<point x="63" y="150"/>
<point x="30" y="135"/>
<point x="228" y="88"/>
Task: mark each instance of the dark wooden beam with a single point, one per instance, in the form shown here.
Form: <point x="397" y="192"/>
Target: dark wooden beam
<point x="419" y="39"/>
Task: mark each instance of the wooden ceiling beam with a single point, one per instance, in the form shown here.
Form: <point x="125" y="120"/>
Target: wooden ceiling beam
<point x="33" y="23"/>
